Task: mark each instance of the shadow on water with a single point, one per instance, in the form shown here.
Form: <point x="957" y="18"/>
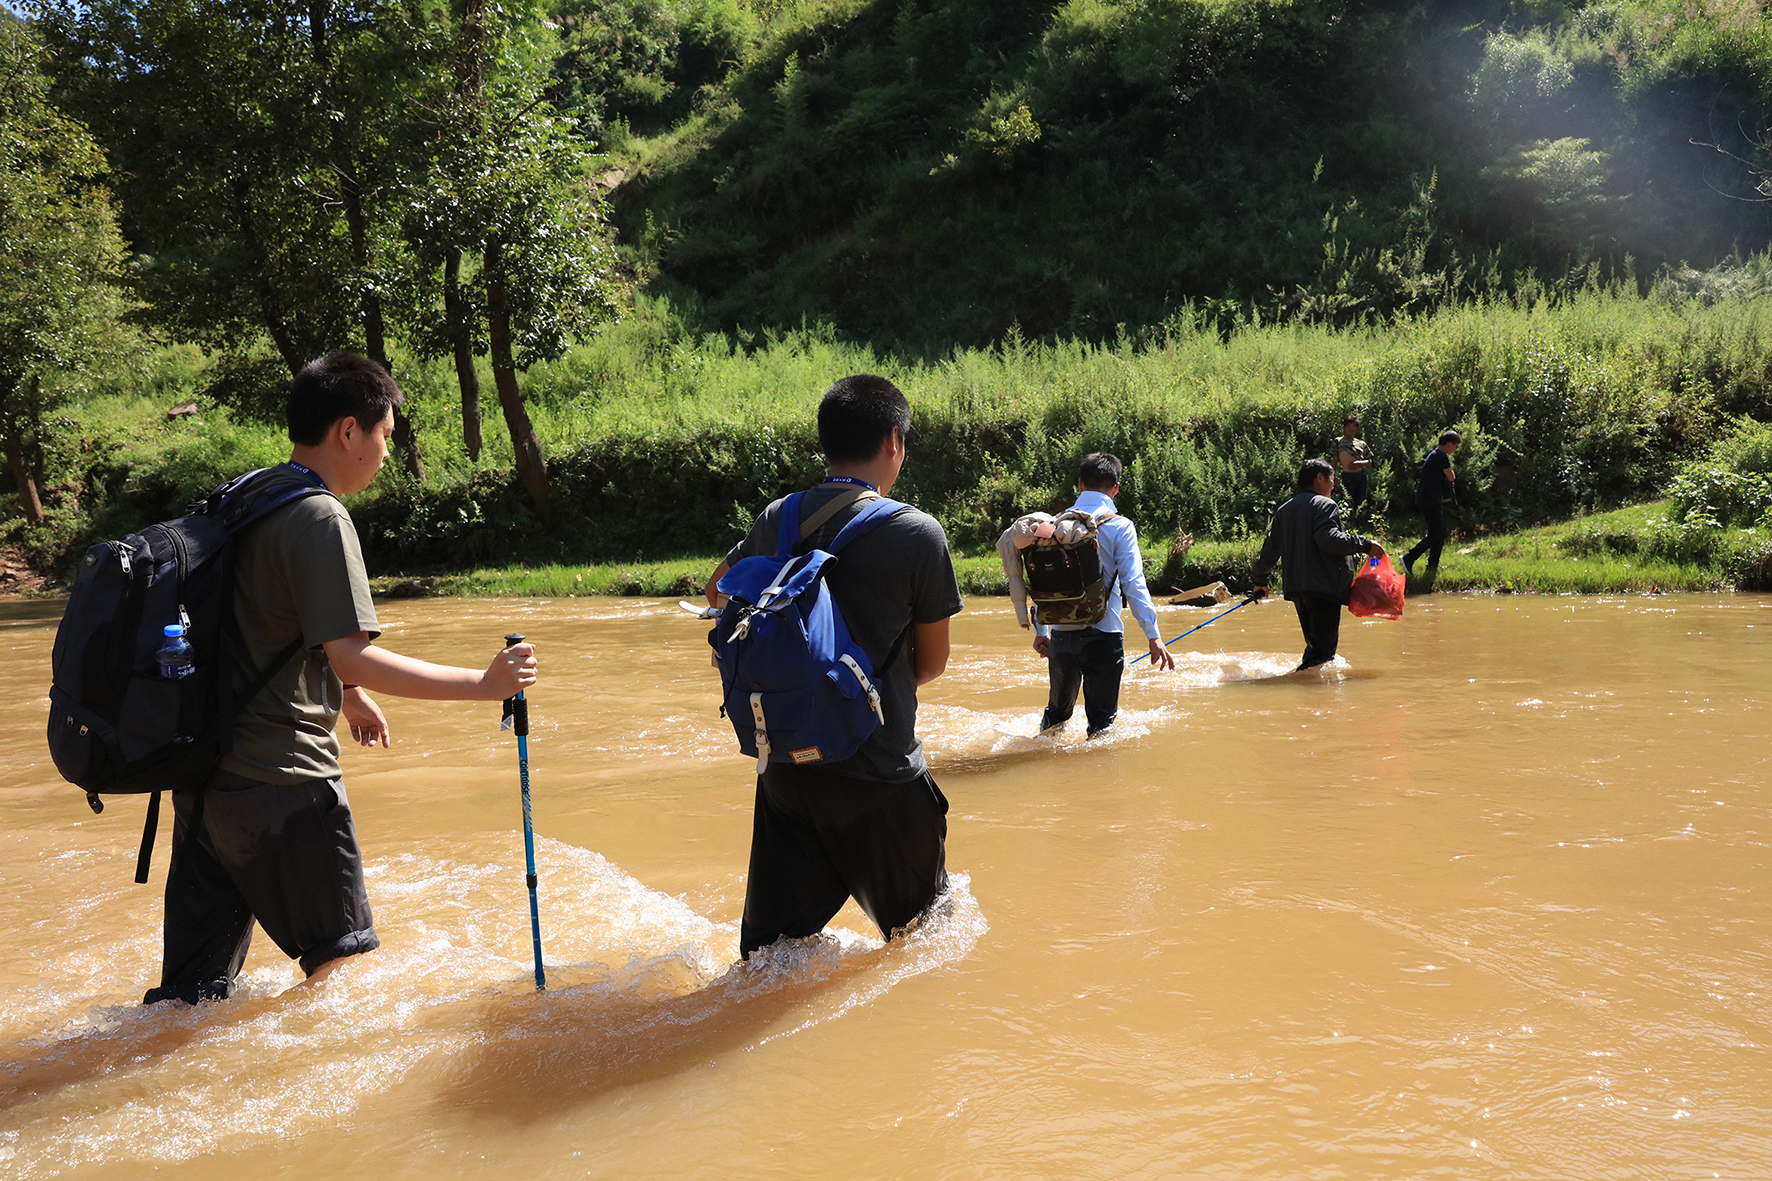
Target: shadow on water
<point x="548" y="1053"/>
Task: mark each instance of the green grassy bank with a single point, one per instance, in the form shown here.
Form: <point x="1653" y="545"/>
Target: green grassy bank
<point x="661" y="445"/>
<point x="1634" y="549"/>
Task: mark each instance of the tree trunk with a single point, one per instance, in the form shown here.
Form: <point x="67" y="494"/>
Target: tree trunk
<point x="466" y="375"/>
<point x="350" y="188"/>
<point x="270" y="307"/>
<point x="375" y="331"/>
<point x="470" y="82"/>
<point x="531" y="466"/>
<point x="470" y="60"/>
<point x="11" y="438"/>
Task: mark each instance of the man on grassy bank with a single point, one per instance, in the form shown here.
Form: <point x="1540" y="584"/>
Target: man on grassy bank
<point x="1093" y="656"/>
<point x="1433" y="489"/>
<point x="1307" y="539"/>
<point x="1353" y="456"/>
<point x="269" y="837"/>
<point x="874" y="825"/>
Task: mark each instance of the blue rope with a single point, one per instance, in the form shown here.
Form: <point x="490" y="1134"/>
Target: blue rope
<point x="1190" y="631"/>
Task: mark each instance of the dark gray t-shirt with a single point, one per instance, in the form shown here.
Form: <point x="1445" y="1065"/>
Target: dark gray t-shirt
<point x="897" y="574"/>
<point x="297" y="573"/>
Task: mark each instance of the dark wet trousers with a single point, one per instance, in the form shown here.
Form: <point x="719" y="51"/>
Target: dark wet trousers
<point x="819" y="837"/>
<point x="1359" y="491"/>
<point x="1435" y="539"/>
<point x="1321" y="621"/>
<point x="1090" y="660"/>
<point x="285" y="855"/>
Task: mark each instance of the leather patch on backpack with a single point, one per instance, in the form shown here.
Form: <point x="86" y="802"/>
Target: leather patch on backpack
<point x="807" y="754"/>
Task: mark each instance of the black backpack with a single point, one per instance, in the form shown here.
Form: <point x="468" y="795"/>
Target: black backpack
<point x="116" y="727"/>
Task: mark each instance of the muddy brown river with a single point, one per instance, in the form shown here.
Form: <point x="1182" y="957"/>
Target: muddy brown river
<point x="1488" y="899"/>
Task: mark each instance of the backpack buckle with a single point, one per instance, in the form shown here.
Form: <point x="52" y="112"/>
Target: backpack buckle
<point x="762" y="732"/>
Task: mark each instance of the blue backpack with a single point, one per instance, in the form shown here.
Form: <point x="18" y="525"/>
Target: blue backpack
<point x="797" y="688"/>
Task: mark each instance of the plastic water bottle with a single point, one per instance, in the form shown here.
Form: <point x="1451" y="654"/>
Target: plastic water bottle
<point x="175" y="654"/>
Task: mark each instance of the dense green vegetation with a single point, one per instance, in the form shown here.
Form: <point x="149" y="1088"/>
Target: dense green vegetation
<point x="1193" y="232"/>
<point x="301" y="177"/>
<point x="665" y="444"/>
<point x="1625" y="550"/>
<point x="61" y="257"/>
<point x="930" y="172"/>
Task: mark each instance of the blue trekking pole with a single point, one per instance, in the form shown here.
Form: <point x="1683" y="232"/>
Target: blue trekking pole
<point x="517" y="711"/>
<point x="1190" y="631"/>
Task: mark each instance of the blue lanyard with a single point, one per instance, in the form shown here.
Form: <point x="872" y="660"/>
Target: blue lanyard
<point x="851" y="480"/>
<point x="309" y="472"/>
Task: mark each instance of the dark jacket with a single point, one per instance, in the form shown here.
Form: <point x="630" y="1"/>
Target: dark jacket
<point x="1307" y="539"/>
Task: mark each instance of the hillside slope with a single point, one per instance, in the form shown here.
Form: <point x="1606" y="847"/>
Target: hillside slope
<point x="925" y="173"/>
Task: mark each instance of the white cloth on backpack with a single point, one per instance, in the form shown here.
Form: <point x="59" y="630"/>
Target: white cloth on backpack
<point x="1022" y="532"/>
<point x="1068" y="527"/>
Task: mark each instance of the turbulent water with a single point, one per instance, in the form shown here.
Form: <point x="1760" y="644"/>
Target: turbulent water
<point x="1486" y="898"/>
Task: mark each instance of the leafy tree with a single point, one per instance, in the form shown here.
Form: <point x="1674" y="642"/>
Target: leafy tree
<point x="641" y="65"/>
<point x="506" y="191"/>
<point x="254" y="142"/>
<point x="61" y="257"/>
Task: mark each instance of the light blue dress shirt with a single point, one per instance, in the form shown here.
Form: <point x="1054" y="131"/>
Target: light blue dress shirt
<point x="1117" y="540"/>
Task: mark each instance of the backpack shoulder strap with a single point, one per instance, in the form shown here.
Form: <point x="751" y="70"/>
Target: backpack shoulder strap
<point x="243" y="501"/>
<point x="788" y="526"/>
<point x="838" y="503"/>
<point x="254" y="506"/>
<point x="875" y="513"/>
<point x="260" y="509"/>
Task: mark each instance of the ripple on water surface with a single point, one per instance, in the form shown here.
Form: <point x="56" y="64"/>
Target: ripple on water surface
<point x="640" y="986"/>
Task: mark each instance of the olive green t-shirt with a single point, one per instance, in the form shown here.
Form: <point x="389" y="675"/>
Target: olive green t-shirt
<point x="298" y="572"/>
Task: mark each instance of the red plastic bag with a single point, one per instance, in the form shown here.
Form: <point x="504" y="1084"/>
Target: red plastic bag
<point x="1377" y="590"/>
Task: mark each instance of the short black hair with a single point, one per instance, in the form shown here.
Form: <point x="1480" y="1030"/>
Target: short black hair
<point x="1449" y="437"/>
<point x="339" y="385"/>
<point x="1310" y="470"/>
<point x="1099" y="471"/>
<point x="1350" y="418"/>
<point x="857" y="415"/>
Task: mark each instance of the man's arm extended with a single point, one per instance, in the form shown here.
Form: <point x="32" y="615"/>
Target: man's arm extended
<point x="929" y="650"/>
<point x="357" y="661"/>
<point x="712" y="589"/>
<point x="1269" y="557"/>
<point x="1129" y="568"/>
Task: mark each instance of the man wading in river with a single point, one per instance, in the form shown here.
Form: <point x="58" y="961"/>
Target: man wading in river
<point x="873" y="825"/>
<point x="270" y="836"/>
<point x="1307" y="539"/>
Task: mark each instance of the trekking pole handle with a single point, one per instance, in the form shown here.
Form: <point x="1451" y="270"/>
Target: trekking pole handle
<point x="516" y="708"/>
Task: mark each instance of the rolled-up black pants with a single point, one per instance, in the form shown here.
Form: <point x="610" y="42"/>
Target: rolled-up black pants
<point x="1321" y="621"/>
<point x="283" y="854"/>
<point x="1093" y="661"/>
<point x="818" y="837"/>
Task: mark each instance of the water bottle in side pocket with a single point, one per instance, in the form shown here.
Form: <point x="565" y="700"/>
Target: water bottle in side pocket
<point x="175" y="655"/>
